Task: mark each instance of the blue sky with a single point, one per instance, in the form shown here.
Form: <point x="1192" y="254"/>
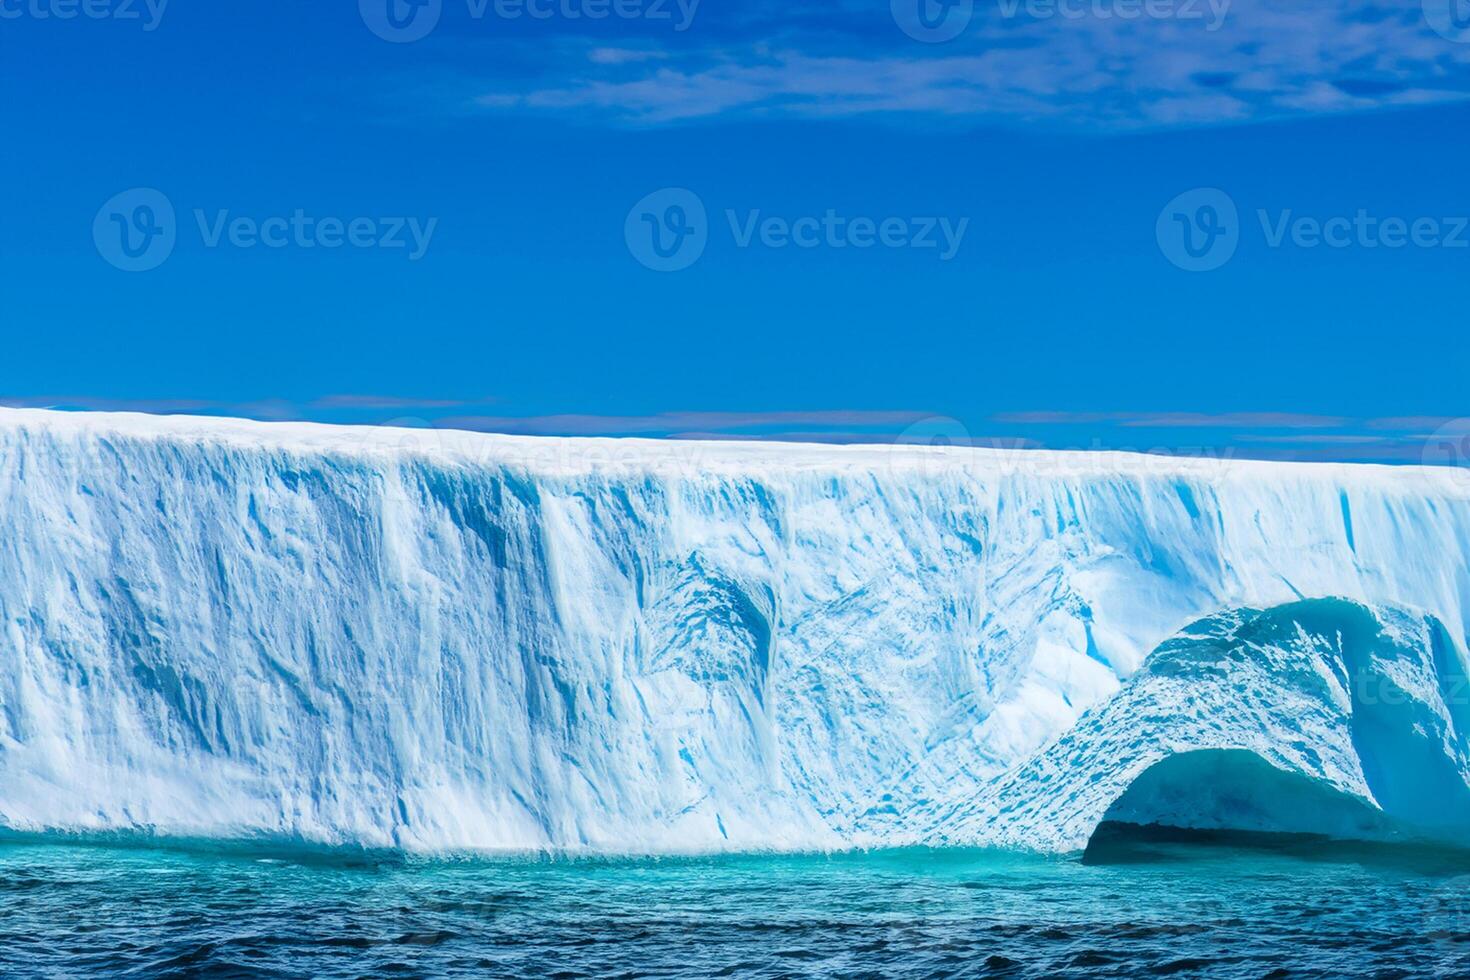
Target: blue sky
<point x="975" y="226"/>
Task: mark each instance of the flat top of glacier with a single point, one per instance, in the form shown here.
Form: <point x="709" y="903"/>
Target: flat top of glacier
<point x="580" y="454"/>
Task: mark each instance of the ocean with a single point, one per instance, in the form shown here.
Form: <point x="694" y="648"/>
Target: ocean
<point x="1216" y="910"/>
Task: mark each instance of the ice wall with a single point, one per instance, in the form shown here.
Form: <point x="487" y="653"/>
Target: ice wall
<point x="444" y="640"/>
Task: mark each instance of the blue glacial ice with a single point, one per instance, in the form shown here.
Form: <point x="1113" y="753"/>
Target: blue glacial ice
<point x="1322" y="716"/>
<point x="444" y="641"/>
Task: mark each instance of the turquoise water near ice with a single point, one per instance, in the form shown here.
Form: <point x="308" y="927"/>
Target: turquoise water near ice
<point x="69" y="910"/>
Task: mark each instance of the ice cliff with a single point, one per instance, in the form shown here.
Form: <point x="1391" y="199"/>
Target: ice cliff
<point x="438" y="641"/>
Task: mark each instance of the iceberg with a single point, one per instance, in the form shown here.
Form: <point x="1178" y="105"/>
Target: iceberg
<point x="438" y="641"/>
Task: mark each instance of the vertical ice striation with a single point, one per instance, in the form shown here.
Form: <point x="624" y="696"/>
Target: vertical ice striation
<point x="223" y="628"/>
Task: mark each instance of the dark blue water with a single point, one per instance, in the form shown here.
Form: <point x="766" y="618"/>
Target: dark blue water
<point x="1219" y="911"/>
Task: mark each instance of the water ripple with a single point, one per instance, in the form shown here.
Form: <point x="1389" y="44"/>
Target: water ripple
<point x="145" y="913"/>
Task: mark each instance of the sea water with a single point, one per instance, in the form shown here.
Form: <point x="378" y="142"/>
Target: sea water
<point x="69" y="909"/>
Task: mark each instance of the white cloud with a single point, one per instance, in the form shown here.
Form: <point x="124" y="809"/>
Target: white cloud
<point x="1268" y="59"/>
<point x="622" y="56"/>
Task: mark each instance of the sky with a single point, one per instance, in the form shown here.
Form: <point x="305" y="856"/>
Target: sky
<point x="1225" y="227"/>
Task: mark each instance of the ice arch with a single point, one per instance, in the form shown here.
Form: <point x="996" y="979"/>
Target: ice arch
<point x="1237" y="790"/>
<point x="1323" y="716"/>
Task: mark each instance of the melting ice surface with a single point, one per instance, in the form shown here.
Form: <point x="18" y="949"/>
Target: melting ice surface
<point x="443" y="641"/>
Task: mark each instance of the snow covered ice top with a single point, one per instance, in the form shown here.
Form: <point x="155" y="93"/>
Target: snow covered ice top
<point x="435" y="640"/>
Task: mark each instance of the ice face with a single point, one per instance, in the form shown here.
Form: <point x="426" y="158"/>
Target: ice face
<point x="443" y="640"/>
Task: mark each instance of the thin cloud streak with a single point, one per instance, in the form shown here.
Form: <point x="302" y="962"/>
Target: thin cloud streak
<point x="1178" y="420"/>
<point x="672" y="422"/>
<point x="370" y="402"/>
<point x="275" y="409"/>
<point x="1306" y="438"/>
<point x="150" y="406"/>
<point x="851" y="438"/>
<point x="1423" y="423"/>
<point x="266" y="409"/>
<point x="1255" y="60"/>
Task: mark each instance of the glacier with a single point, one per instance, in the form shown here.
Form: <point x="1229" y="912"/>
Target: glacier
<point x="438" y="641"/>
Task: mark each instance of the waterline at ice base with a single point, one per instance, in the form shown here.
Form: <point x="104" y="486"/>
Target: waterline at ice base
<point x="462" y="644"/>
